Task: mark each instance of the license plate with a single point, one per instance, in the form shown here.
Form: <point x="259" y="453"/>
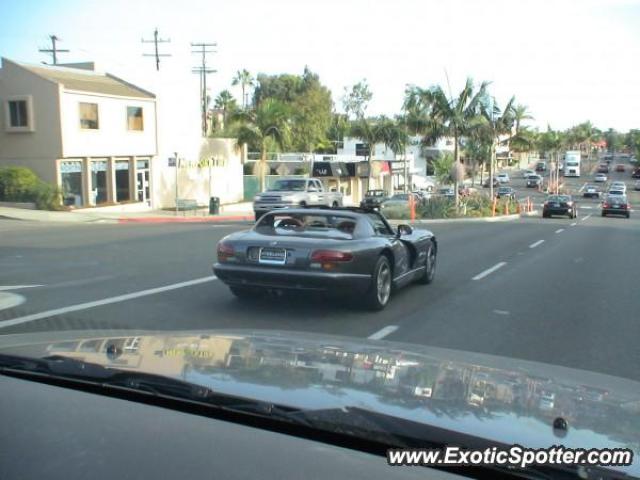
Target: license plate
<point x="617" y="206"/>
<point x="273" y="256"/>
<point x="555" y="204"/>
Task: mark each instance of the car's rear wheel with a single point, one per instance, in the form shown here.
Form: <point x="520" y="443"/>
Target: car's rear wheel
<point x="380" y="291"/>
<point x="430" y="265"/>
<point x="303" y="204"/>
<point x="628" y="215"/>
<point x="334" y="205"/>
<point x="604" y="214"/>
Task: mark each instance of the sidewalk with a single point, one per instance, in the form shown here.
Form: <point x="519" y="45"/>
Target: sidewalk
<point x="229" y="213"/>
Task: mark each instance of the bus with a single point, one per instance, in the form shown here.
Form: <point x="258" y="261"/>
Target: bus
<point x="572" y="163"/>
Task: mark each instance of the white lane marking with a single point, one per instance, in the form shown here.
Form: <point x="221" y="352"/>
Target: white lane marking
<point x="17" y="287"/>
<point x="573" y="224"/>
<point x="584" y="218"/>
<point x="104" y="301"/>
<point x="585" y="208"/>
<point x="380" y="334"/>
<point x="501" y="312"/>
<point x="10" y="300"/>
<point x="560" y="230"/>
<point x="535" y="244"/>
<point x="489" y="271"/>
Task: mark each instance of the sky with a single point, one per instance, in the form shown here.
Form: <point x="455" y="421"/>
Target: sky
<point x="568" y="61"/>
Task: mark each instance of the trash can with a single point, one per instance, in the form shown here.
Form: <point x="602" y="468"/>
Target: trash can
<point x="214" y="205"/>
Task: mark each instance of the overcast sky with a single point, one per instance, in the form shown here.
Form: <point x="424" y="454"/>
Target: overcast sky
<point x="569" y="61"/>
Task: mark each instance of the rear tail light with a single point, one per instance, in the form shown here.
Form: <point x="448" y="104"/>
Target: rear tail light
<point x="605" y="205"/>
<point x="330" y="256"/>
<point x="225" y="252"/>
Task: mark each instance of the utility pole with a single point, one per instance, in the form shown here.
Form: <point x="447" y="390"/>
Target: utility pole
<point x="54" y="50"/>
<point x="156" y="53"/>
<point x="203" y="49"/>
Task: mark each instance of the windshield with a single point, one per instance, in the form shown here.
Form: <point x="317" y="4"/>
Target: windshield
<point x="288" y="186"/>
<point x="380" y="176"/>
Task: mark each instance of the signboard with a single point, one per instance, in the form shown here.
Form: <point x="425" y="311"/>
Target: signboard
<point x="397" y="167"/>
<point x="363" y="169"/>
<point x="172" y="161"/>
<point x="330" y="169"/>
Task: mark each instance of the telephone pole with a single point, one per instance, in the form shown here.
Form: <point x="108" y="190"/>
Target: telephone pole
<point x="203" y="49"/>
<point x="155" y="42"/>
<point x="54" y="50"/>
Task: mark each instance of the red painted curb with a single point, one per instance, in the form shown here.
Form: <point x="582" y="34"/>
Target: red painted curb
<point x="230" y="218"/>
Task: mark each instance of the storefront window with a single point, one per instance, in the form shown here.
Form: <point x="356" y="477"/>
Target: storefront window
<point x="99" y="181"/>
<point x="71" y="182"/>
<point x="123" y="192"/>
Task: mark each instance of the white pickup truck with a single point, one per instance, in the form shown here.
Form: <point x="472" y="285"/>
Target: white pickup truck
<point x="295" y="192"/>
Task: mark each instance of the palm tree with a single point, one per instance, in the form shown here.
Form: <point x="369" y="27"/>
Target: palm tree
<point x="244" y="79"/>
<point x="520" y="113"/>
<point x="267" y="123"/>
<point x="227" y="103"/>
<point x="497" y="122"/>
<point x="370" y="132"/>
<point x="396" y="137"/>
<point x="452" y="117"/>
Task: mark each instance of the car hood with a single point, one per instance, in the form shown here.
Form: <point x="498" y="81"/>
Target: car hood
<point x="500" y="399"/>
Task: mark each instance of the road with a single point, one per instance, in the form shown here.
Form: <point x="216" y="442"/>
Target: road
<point x="555" y="290"/>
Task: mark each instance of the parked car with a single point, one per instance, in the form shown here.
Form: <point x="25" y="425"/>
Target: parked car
<point x="503" y="178"/>
<point x="636" y="173"/>
<point x="506" y="192"/>
<point x="487" y="183"/>
<point x="401" y="200"/>
<point x="527" y="173"/>
<point x="339" y="251"/>
<point x="373" y="198"/>
<point x="446" y="192"/>
<point x="559" y="205"/>
<point x="620" y="167"/>
<point x="541" y="167"/>
<point x="603" y="168"/>
<point x="534" y="181"/>
<point x="616" y="205"/>
<point x="600" y="178"/>
<point x="295" y="192"/>
<point x="591" y="191"/>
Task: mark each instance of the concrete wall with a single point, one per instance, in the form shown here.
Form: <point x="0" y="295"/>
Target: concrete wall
<point x="217" y="170"/>
<point x="41" y="145"/>
<point x="112" y="138"/>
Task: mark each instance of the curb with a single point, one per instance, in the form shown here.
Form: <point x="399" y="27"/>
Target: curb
<point x="158" y="220"/>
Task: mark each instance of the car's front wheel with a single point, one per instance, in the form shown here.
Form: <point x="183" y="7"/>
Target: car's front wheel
<point x="430" y="265"/>
<point x="380" y="290"/>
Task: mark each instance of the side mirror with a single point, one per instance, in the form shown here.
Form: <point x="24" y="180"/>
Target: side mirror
<point x="404" y="229"/>
<point x="311" y="189"/>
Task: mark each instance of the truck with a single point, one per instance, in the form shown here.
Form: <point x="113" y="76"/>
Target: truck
<point x="572" y="163"/>
<point x="295" y="192"/>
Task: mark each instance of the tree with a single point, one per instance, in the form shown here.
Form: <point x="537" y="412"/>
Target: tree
<point x="308" y="100"/>
<point x="356" y="99"/>
<point x="552" y="141"/>
<point x="614" y="140"/>
<point x="227" y="103"/>
<point x="633" y="142"/>
<point x="396" y="137"/>
<point x="451" y="117"/>
<point x="520" y="113"/>
<point x="498" y="123"/>
<point x="477" y="149"/>
<point x="370" y="132"/>
<point x="443" y="166"/>
<point x="268" y="122"/>
<point x="244" y="79"/>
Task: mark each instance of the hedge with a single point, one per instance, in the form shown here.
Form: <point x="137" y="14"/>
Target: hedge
<point x="20" y="184"/>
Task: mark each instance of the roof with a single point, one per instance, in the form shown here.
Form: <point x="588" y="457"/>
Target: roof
<point x="88" y="81"/>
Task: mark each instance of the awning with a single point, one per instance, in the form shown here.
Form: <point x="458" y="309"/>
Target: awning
<point x="330" y="169"/>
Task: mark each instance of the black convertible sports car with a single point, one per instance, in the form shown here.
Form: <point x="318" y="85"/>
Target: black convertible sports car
<point x="349" y="251"/>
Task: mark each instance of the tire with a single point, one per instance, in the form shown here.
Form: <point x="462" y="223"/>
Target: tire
<point x="545" y="215"/>
<point x="257" y="215"/>
<point x="604" y="214"/>
<point x="303" y="204"/>
<point x="430" y="263"/>
<point x="628" y="215"/>
<point x="379" y="293"/>
<point x="334" y="204"/>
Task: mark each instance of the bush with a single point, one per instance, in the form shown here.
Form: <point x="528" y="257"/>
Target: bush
<point x="397" y="213"/>
<point x="438" y="207"/>
<point x="17" y="184"/>
<point x="20" y="184"/>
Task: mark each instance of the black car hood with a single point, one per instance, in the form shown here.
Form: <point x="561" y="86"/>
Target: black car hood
<point x="502" y="399"/>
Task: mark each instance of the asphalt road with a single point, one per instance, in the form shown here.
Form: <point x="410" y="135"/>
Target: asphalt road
<point x="556" y="290"/>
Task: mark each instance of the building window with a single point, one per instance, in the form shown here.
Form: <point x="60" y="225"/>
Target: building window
<point x="134" y="119"/>
<point x="89" y="116"/>
<point x="122" y="181"/>
<point x="99" y="181"/>
<point x="19" y="114"/>
<point x="362" y="149"/>
<point x="71" y="182"/>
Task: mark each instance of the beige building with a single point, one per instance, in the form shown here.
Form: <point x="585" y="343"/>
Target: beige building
<point x="90" y="133"/>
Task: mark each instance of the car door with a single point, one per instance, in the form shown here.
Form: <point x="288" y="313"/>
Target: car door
<point x="313" y="193"/>
<point x="322" y="196"/>
<point x="401" y="254"/>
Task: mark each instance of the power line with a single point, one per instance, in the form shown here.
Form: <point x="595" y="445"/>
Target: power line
<point x="155" y="42"/>
<point x="54" y="50"/>
<point x="203" y="49"/>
